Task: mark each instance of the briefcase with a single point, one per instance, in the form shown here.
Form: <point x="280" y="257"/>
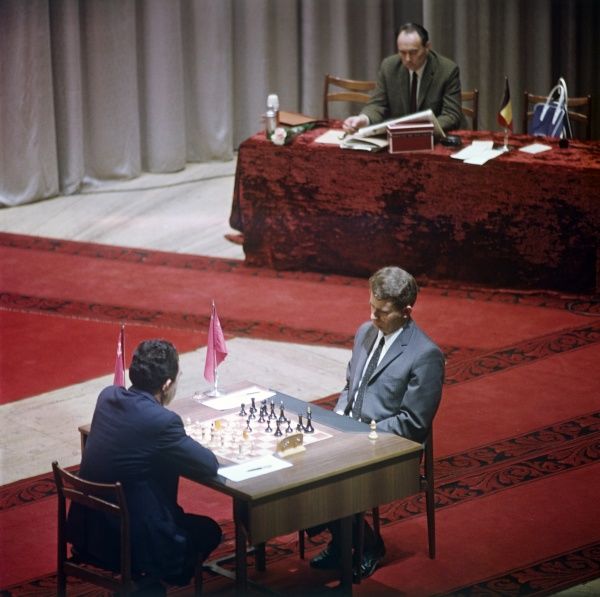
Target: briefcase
<point x="416" y="136"/>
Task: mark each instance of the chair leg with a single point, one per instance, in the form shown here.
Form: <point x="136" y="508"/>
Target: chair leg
<point x="301" y="545"/>
<point x="430" y="507"/>
<point x="429" y="482"/>
<point x="61" y="584"/>
<point x="376" y="522"/>
<point x="198" y="578"/>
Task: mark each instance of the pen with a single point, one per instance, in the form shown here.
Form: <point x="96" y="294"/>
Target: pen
<point x="259" y="468"/>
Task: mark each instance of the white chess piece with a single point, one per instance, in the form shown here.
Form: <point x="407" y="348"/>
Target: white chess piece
<point x="373" y="434"/>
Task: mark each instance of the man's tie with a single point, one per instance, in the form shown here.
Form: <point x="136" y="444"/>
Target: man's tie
<point x="357" y="407"/>
<point x="413" y="93"/>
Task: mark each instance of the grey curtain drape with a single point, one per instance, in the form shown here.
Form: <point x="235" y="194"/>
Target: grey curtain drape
<point x="92" y="90"/>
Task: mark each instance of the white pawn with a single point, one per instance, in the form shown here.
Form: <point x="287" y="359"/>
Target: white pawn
<point x="373" y="434"/>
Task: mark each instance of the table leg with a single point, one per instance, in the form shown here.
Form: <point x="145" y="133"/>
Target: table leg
<point x="241" y="541"/>
<point x="346" y="554"/>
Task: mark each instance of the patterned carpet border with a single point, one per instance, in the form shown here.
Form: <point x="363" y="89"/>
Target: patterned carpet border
<point x="545" y="577"/>
<point x="581" y="304"/>
<point x="523" y="353"/>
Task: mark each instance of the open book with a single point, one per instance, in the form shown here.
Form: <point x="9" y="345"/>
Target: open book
<point x="364" y="143"/>
<point x="381" y="127"/>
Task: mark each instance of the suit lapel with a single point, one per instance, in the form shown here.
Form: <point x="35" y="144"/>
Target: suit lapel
<point x="397" y="348"/>
<point x="404" y="85"/>
<point x="366" y="345"/>
<point x="428" y="73"/>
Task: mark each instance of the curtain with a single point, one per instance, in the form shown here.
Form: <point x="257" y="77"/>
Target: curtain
<point x="94" y="90"/>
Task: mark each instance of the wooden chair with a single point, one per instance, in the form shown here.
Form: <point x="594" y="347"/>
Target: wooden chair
<point x="578" y="108"/>
<point x="102" y="497"/>
<point x="471" y="111"/>
<point x="427" y="486"/>
<point x="354" y="91"/>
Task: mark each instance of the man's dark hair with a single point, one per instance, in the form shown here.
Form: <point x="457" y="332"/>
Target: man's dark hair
<point x="414" y="28"/>
<point x="394" y="284"/>
<point x="154" y="361"/>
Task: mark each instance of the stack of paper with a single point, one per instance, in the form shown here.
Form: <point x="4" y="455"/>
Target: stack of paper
<point x="478" y="153"/>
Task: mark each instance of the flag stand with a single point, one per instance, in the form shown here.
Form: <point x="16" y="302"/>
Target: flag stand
<point x="506" y="146"/>
<point x="215" y="391"/>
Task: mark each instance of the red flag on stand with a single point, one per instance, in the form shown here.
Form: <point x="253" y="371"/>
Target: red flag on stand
<point x="119" y="379"/>
<point x="505" y="117"/>
<point x="216" y="350"/>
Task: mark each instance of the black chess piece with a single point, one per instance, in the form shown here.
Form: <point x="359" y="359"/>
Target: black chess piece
<point x="261" y="414"/>
<point x="278" y="431"/>
<point x="308" y="428"/>
<point x="243" y="410"/>
<point x="253" y="405"/>
<point x="288" y="429"/>
<point x="282" y="412"/>
<point x="299" y="426"/>
<point x="272" y="414"/>
<point x="268" y="428"/>
<point x="248" y="428"/>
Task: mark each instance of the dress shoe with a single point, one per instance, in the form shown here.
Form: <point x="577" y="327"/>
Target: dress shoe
<point x="328" y="559"/>
<point x="369" y="564"/>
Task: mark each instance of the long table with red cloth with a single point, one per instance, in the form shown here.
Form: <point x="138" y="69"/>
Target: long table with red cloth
<point x="519" y="221"/>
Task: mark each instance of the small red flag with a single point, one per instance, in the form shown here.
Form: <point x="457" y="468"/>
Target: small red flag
<point x="505" y="118"/>
<point x="119" y="379"/>
<point x="216" y="350"/>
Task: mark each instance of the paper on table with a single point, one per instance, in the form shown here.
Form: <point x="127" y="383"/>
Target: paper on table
<point x="535" y="148"/>
<point x="233" y="399"/>
<point x="331" y="137"/>
<point x="483" y="157"/>
<point x="253" y="468"/>
<point x="472" y="150"/>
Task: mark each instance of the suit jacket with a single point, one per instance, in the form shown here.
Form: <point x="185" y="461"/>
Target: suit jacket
<point x="135" y="440"/>
<point x="405" y="390"/>
<point x="439" y="91"/>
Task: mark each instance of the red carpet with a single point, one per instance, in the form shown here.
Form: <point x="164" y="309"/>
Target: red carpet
<point x="517" y="436"/>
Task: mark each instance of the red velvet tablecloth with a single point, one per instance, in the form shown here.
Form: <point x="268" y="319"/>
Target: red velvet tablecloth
<point x="519" y="221"/>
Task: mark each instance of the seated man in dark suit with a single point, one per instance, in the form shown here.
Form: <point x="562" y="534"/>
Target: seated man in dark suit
<point x="394" y="378"/>
<point x="134" y="439"/>
<point x="436" y="86"/>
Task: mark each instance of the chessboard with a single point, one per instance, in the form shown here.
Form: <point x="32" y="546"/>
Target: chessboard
<point x="237" y="438"/>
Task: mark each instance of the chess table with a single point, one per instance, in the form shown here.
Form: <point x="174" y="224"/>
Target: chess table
<point x="332" y="479"/>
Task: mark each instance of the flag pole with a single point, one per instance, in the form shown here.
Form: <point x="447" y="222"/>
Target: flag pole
<point x="215" y="390"/>
<point x="506" y="147"/>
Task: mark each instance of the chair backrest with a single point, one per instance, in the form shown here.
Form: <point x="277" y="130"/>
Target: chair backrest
<point x="578" y="108"/>
<point x="353" y="91"/>
<point x="101" y="497"/>
<point x="472" y="110"/>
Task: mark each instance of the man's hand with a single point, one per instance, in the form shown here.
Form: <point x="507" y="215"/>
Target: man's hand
<point x="353" y="123"/>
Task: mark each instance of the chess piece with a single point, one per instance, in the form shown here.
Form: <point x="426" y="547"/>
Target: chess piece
<point x="281" y="412"/>
<point x="269" y="429"/>
<point x="248" y="428"/>
<point x="261" y="414"/>
<point x="299" y="426"/>
<point x="373" y="433"/>
<point x="278" y="431"/>
<point x="272" y="414"/>
<point x="289" y="429"/>
<point x="243" y="410"/>
<point x="308" y="428"/>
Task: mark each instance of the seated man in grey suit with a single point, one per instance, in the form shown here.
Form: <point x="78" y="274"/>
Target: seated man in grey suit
<point x="394" y="378"/>
<point x="398" y="92"/>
